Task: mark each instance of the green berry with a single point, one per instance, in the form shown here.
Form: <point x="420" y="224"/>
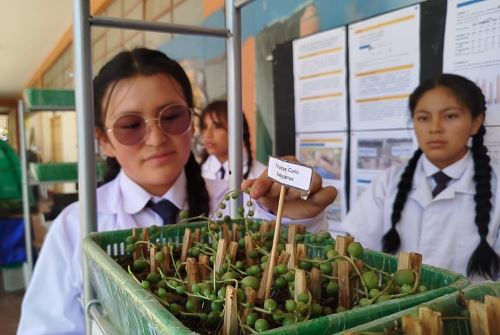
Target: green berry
<point x="184" y="214"/>
<point x="251" y="318"/>
<point x="261" y="325"/>
<point x="290" y="305"/>
<point x="270" y="305"/>
<point x="355" y="249"/>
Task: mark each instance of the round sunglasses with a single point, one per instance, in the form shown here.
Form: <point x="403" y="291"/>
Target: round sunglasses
<point x="131" y="129"/>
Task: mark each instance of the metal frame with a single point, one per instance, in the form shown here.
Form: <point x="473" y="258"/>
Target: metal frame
<point x="85" y="111"/>
<point x="22" y="109"/>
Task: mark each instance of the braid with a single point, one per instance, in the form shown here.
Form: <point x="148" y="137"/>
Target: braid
<point x="248" y="147"/>
<point x="391" y="241"/>
<point x="197" y="192"/>
<point x="112" y="169"/>
<point x="484" y="260"/>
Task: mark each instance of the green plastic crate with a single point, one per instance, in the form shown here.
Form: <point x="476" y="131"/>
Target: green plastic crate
<point x="133" y="310"/>
<point x="54" y="171"/>
<point x="446" y="304"/>
<point x="62" y="171"/>
<point x="43" y="98"/>
<point x="10" y="173"/>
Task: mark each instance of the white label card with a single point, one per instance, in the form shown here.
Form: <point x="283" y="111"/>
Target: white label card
<point x="290" y="174"/>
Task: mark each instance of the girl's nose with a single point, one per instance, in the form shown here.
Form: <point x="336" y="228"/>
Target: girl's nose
<point x="154" y="134"/>
<point x="436" y="126"/>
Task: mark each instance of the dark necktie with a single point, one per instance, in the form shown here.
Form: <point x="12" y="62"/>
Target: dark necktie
<point x="441" y="180"/>
<point x="222" y="172"/>
<point x="166" y="209"/>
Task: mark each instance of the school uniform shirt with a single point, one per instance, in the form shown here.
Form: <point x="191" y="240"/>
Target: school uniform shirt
<point x="442" y="229"/>
<point x="210" y="169"/>
<point x="53" y="301"/>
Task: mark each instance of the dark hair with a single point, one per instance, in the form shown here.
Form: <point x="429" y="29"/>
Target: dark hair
<point x="147" y="62"/>
<point x="219" y="108"/>
<point x="484" y="261"/>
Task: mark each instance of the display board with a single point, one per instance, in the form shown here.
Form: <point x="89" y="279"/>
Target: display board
<point x="377" y="140"/>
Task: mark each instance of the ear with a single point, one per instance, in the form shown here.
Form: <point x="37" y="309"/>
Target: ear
<point x="476" y="124"/>
<point x="104" y="143"/>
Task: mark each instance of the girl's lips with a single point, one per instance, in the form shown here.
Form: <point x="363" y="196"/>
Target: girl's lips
<point x="436" y="144"/>
<point x="159" y="156"/>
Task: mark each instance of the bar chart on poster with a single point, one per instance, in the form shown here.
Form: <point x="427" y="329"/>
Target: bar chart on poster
<point x="472" y="48"/>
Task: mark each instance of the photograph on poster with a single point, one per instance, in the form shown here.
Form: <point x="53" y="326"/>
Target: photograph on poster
<point x="326" y="153"/>
<point x="382" y="153"/>
<point x="374" y="151"/>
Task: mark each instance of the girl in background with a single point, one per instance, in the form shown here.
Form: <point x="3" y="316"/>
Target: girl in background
<point x="443" y="203"/>
<point x="214" y="164"/>
<point x="143" y="108"/>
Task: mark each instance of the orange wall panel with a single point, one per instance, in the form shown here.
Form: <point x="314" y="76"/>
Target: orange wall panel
<point x="211" y="6"/>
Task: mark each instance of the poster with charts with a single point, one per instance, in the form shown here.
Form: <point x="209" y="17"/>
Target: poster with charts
<point x="374" y="151"/>
<point x="384" y="67"/>
<point x="472" y="48"/>
<point x="326" y="153"/>
<point x="319" y="70"/>
<point x="492" y="141"/>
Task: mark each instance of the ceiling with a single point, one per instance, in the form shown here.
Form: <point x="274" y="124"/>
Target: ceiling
<point x="30" y="30"/>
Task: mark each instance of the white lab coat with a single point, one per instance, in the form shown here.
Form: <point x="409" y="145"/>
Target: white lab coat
<point x="53" y="301"/>
<point x="210" y="168"/>
<point x="441" y="229"/>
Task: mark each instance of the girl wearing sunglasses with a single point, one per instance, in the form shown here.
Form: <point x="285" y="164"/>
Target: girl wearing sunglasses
<point x="214" y="164"/>
<point x="143" y="103"/>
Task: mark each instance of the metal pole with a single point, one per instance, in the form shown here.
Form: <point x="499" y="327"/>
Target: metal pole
<point x="161" y="27"/>
<point x="241" y="3"/>
<point x="85" y="120"/>
<point x="28" y="270"/>
<point x="233" y="50"/>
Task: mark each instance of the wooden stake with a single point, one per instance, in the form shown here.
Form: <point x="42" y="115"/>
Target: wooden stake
<point x="493" y="309"/>
<point x="250" y="294"/>
<point x="192" y="278"/>
<point x="272" y="258"/>
<point x="264" y="226"/>
<point x="300" y="284"/>
<point x="145" y="237"/>
<point x="203" y="267"/>
<point x="166" y="258"/>
<point x="233" y="249"/>
<point x="292" y="231"/>
<point x="152" y="259"/>
<point x="301" y="252"/>
<point x="197" y="235"/>
<point x="315" y="284"/>
<point x="235" y="232"/>
<point x="261" y="293"/>
<point x="410" y="261"/>
<point x="345" y="288"/>
<point x="341" y="243"/>
<point x="292" y="262"/>
<point x="230" y="326"/>
<point x="283" y="258"/>
<point x="412" y="326"/>
<point x="431" y="321"/>
<point x="249" y="246"/>
<point x="480" y="321"/>
<point x="186" y="244"/>
<point x="221" y="255"/>
<point x="226" y="234"/>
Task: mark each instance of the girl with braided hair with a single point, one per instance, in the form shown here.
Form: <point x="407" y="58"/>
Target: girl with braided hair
<point x="143" y="108"/>
<point x="214" y="163"/>
<point x="444" y="202"/>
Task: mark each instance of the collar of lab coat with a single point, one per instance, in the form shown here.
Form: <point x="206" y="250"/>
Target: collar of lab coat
<point x="134" y="198"/>
<point x="423" y="194"/>
<point x="212" y="164"/>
